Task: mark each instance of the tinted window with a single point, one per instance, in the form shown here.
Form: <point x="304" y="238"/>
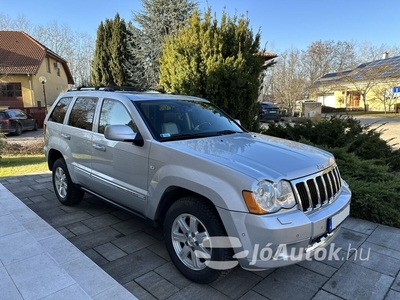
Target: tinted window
<point x="3" y="116"/>
<point x="82" y="113"/>
<point x="114" y="113"/>
<point x="20" y="114"/>
<point x="60" y="110"/>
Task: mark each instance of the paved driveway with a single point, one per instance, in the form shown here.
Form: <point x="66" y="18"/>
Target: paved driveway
<point x="366" y="267"/>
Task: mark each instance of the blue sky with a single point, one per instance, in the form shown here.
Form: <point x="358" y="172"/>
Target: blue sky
<point x="283" y="23"/>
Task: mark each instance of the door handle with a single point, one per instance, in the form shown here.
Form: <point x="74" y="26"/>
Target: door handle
<point x="66" y="136"/>
<point x="99" y="147"/>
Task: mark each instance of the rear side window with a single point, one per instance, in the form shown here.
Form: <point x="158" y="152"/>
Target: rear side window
<point x="114" y="113"/>
<point x="58" y="113"/>
<point x="82" y="113"/>
<point x="3" y="116"/>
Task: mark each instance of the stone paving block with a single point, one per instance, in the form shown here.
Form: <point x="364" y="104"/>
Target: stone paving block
<point x="24" y="215"/>
<point x="133" y="265"/>
<point x="96" y="257"/>
<point x="337" y="262"/>
<point x="323" y="295"/>
<point x="90" y="277"/>
<point x="134" y="242"/>
<point x="101" y="221"/>
<point x="3" y="210"/>
<point x="170" y="273"/>
<point x="41" y="186"/>
<point x="396" y="284"/>
<point x="138" y="291"/>
<point x="251" y="295"/>
<point x="18" y="246"/>
<point x="39" y="276"/>
<point x="60" y="249"/>
<point x="293" y="282"/>
<point x="123" y="215"/>
<point x="37" y="199"/>
<point x="43" y="179"/>
<point x="40" y="230"/>
<point x="110" y="251"/>
<point x="9" y="224"/>
<point x="8" y="290"/>
<point x="94" y="238"/>
<point x="56" y="217"/>
<point x="318" y="267"/>
<point x="349" y="239"/>
<point x="156" y="285"/>
<point x="65" y="232"/>
<point x="198" y="292"/>
<point x="353" y="281"/>
<point x="78" y="228"/>
<point x="393" y="295"/>
<point x="160" y="249"/>
<point x="359" y="225"/>
<point x="43" y="206"/>
<point x="156" y="232"/>
<point x="376" y="261"/>
<point x="116" y="292"/>
<point x="72" y="292"/>
<point x="236" y="283"/>
<point x="385" y="236"/>
<point x="130" y="226"/>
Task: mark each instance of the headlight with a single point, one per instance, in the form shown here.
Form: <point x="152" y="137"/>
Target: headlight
<point x="269" y="197"/>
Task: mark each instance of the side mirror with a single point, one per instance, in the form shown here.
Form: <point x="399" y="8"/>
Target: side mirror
<point x="123" y="133"/>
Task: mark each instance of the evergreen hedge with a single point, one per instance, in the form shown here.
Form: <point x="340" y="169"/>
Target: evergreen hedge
<point x="367" y="162"/>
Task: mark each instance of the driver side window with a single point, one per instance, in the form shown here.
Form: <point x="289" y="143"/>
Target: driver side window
<point x="114" y="113"/>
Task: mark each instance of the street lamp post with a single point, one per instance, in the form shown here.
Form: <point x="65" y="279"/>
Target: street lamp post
<point x="43" y="80"/>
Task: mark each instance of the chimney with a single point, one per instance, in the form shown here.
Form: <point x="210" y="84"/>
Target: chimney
<point x="385" y="55"/>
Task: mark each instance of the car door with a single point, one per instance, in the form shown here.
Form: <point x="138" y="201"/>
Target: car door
<point x="119" y="169"/>
<point x="26" y="121"/>
<point x="77" y="133"/>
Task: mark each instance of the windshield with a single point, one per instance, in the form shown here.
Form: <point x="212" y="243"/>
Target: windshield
<point x="185" y="119"/>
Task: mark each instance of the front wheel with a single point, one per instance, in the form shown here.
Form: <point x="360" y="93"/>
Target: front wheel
<point x="189" y="224"/>
<point x="66" y="192"/>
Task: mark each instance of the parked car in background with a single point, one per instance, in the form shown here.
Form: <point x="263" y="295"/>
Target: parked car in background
<point x="269" y="112"/>
<point x="16" y="121"/>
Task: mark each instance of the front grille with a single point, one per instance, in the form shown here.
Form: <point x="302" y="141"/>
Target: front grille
<point x="318" y="190"/>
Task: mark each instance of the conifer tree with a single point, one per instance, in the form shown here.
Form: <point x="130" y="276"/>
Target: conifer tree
<point x="158" y="19"/>
<point x="110" y="54"/>
<point x="219" y="62"/>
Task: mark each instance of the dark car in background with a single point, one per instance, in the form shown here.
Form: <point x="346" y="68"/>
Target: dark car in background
<point x="15" y="121"/>
<point x="269" y="112"/>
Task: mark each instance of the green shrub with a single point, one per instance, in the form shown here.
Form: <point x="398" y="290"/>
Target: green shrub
<point x="367" y="163"/>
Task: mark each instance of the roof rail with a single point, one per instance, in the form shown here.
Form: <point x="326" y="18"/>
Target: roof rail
<point x="116" y="88"/>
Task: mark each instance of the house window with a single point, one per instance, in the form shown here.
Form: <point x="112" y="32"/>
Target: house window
<point x="48" y="65"/>
<point x="58" y="71"/>
<point x="10" y="90"/>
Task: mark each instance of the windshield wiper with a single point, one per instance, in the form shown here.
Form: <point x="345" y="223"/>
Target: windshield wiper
<point x="188" y="136"/>
<point x="228" y="131"/>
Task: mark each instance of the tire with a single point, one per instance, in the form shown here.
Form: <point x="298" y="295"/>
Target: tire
<point x="185" y="240"/>
<point x="35" y="128"/>
<point x="18" y="130"/>
<point x="66" y="192"/>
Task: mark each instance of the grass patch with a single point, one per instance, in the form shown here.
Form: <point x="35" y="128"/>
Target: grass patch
<point x="11" y="165"/>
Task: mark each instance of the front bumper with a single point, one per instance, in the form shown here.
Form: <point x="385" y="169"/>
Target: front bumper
<point x="280" y="239"/>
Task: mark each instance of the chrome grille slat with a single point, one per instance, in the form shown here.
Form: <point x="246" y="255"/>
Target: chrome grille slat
<point x="318" y="190"/>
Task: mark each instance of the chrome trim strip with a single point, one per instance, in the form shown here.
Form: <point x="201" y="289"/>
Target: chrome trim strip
<point x="81" y="168"/>
<point x="324" y="240"/>
<point x="335" y="188"/>
<point x="109" y="182"/>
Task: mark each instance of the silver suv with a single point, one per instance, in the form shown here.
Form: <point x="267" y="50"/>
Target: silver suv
<point x="225" y="196"/>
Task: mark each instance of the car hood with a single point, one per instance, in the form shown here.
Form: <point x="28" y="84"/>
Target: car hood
<point x="257" y="155"/>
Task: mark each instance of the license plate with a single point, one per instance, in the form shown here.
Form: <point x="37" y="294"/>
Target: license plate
<point x="337" y="219"/>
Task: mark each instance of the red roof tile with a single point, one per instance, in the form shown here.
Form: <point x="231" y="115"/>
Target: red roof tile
<point x="22" y="54"/>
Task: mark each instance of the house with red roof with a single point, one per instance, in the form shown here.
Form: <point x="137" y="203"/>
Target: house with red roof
<point x="31" y="75"/>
